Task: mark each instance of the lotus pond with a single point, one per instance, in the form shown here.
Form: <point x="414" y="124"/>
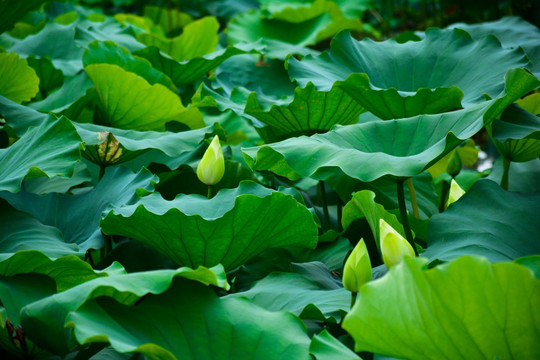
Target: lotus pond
<point x="256" y="179"/>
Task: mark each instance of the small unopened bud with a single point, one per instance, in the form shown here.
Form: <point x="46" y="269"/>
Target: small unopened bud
<point x="455" y="193"/>
<point x="357" y="269"/>
<point x="394" y="247"/>
<point x="212" y="165"/>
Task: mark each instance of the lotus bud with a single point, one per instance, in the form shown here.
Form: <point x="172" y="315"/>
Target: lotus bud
<point x="455" y="193"/>
<point x="357" y="269"/>
<point x="212" y="166"/>
<point x="454" y="164"/>
<point x="394" y="247"/>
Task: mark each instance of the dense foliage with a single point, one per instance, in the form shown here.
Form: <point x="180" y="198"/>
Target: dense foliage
<point x="188" y="179"/>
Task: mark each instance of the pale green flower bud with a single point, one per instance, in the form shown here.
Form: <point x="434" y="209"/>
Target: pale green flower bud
<point x="455" y="193"/>
<point x="393" y="246"/>
<point x="357" y="269"/>
<point x="212" y="166"/>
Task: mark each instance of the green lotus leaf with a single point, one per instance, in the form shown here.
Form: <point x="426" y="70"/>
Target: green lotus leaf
<point x="226" y="229"/>
<point x="479" y="224"/>
<point x="189" y="71"/>
<point x="190" y="322"/>
<point x="326" y="347"/>
<point x="363" y="205"/>
<point x="107" y="52"/>
<point x="169" y="20"/>
<point x="19" y="81"/>
<point x="51" y="149"/>
<point x="12" y="11"/>
<point x="45" y="44"/>
<point x="394" y="80"/>
<point x="523" y="177"/>
<point x="77" y="216"/>
<point x="531" y="103"/>
<point x="132" y="103"/>
<point x="532" y="262"/>
<point x="300" y="11"/>
<point x="517" y="134"/>
<point x="20" y="118"/>
<point x="443" y="313"/>
<point x="21" y="231"/>
<point x="43" y="321"/>
<point x="299" y="295"/>
<point x="280" y="37"/>
<point x="88" y="31"/>
<point x="396" y="149"/>
<point x="512" y="32"/>
<point x="199" y="38"/>
<point x="74" y="87"/>
<point x="50" y="78"/>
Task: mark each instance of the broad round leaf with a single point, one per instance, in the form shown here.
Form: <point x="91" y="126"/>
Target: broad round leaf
<point x="132" y="103"/>
<point x="394" y="80"/>
<point x="19" y="81"/>
<point x="230" y="228"/>
<point x="443" y="313"/>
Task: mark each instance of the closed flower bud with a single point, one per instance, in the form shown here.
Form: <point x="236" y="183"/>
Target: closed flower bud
<point x="455" y="193"/>
<point x="212" y="166"/>
<point x="357" y="269"/>
<point x="393" y="246"/>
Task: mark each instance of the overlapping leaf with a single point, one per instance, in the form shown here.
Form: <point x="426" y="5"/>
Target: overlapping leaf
<point x="229" y="229"/>
<point x="446" y="70"/>
<point x="447" y="313"/>
<point x="480" y="222"/>
<point x="398" y="148"/>
<point x="19" y="81"/>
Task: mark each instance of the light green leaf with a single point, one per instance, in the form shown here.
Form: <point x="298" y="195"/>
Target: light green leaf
<point x="50" y="149"/>
<point x="394" y="80"/>
<point x="191" y="322"/>
<point x="107" y="52"/>
<point x="199" y="38"/>
<point x="132" y="103"/>
<point x="19" y="81"/>
<point x="443" y="313"/>
<point x="486" y="221"/>
<point x="226" y="229"/>
<point x="326" y="347"/>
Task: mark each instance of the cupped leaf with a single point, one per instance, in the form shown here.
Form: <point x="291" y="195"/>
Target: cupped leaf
<point x="486" y="221"/>
<point x="51" y="149"/>
<point x="187" y="72"/>
<point x="280" y="37"/>
<point x="517" y="135"/>
<point x="198" y="38"/>
<point x="77" y="216"/>
<point x="326" y="347"/>
<point x="230" y="228"/>
<point x="44" y="320"/>
<point x="19" y="81"/>
<point x="512" y="32"/>
<point x="50" y="78"/>
<point x="107" y="52"/>
<point x="398" y="148"/>
<point x="190" y="322"/>
<point x="443" y="313"/>
<point x="12" y="11"/>
<point x="299" y="295"/>
<point x="394" y="80"/>
<point x="132" y="103"/>
<point x="21" y="231"/>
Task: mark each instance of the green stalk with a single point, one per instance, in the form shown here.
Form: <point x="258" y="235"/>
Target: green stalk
<point x="403" y="214"/>
<point x="101" y="171"/>
<point x="209" y="193"/>
<point x="339" y="213"/>
<point x="444" y="195"/>
<point x="506" y="171"/>
<point x="322" y="198"/>
<point x="412" y="192"/>
<point x="353" y="298"/>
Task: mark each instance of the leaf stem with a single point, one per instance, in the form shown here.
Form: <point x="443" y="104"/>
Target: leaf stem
<point x="412" y="192"/>
<point x="322" y="198"/>
<point x="506" y="171"/>
<point x="403" y="214"/>
<point x="209" y="193"/>
<point x="444" y="195"/>
<point x="353" y="298"/>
